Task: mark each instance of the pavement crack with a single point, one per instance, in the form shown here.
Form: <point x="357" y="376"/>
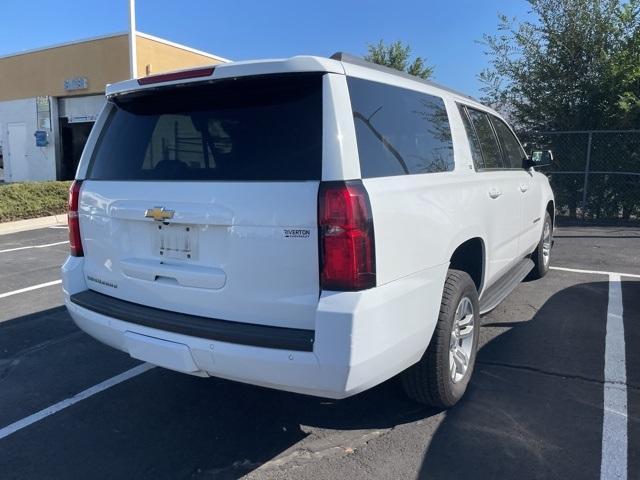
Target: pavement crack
<point x="569" y="376"/>
<point x="342" y="445"/>
<point x="534" y="308"/>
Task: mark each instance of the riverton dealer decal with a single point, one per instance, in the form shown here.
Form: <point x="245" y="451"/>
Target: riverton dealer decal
<point x="297" y="233"/>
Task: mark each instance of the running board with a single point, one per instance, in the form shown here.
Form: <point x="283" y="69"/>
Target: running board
<point x="497" y="292"/>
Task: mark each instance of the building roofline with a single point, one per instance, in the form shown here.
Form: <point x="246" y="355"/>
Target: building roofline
<point x="64" y="44"/>
<point x="182" y="47"/>
<point x="113" y="35"/>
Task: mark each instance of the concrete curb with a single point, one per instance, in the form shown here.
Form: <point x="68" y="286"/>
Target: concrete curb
<point x="33" y="224"/>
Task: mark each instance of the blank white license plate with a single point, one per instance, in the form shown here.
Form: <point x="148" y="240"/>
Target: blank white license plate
<point x="175" y="241"/>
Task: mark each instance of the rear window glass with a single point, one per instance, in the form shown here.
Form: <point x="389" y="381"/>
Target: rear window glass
<point x="265" y="128"/>
<point x="399" y="131"/>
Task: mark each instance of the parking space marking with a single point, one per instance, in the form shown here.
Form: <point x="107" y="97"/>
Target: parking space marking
<point x="59" y="227"/>
<point x="25" y="422"/>
<point x="33" y="246"/>
<point x="614" y="462"/>
<point x="614" y="425"/>
<point x="595" y="272"/>
<point x="28" y="289"/>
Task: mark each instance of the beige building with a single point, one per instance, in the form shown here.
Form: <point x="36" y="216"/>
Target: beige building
<point x="50" y="97"/>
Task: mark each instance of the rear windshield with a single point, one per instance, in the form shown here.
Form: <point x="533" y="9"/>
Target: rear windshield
<point x="256" y="128"/>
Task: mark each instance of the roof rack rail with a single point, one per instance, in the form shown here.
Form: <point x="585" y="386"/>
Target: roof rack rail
<point x="349" y="58"/>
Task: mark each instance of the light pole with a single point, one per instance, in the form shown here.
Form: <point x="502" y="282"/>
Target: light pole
<point x="133" y="57"/>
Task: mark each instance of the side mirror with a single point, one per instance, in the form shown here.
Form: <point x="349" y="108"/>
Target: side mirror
<point x="539" y="158"/>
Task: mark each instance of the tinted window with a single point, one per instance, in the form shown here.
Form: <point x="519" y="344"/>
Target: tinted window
<point x="474" y="143"/>
<point x="510" y="146"/>
<point x="488" y="142"/>
<point x="399" y="131"/>
<point x="258" y="128"/>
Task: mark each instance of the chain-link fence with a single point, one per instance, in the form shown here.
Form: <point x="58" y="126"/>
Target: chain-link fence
<point x="595" y="174"/>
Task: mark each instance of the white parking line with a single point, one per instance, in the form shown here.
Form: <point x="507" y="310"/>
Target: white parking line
<point x="33" y="246"/>
<point x="595" y="272"/>
<point x="56" y="407"/>
<point x="56" y="227"/>
<point x="614" y="425"/>
<point x="613" y="463"/>
<point x="28" y="289"/>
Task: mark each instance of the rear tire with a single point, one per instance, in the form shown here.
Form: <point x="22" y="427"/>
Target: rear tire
<point x="541" y="256"/>
<point x="441" y="376"/>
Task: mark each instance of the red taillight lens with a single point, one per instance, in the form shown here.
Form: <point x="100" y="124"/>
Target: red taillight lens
<point x="347" y="250"/>
<point x="75" y="243"/>
<point x="180" y="75"/>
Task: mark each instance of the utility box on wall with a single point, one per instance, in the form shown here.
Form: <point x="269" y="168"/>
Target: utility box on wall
<point x="42" y="138"/>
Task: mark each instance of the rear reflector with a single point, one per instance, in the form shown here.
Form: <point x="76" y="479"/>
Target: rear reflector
<point x="347" y="250"/>
<point x="172" y="76"/>
<point x="75" y="243"/>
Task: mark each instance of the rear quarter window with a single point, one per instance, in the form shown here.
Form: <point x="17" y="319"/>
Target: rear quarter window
<point x="265" y="128"/>
<point x="399" y="131"/>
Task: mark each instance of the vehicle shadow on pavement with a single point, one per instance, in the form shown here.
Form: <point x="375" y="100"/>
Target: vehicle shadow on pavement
<point x="534" y="406"/>
<point x="533" y="410"/>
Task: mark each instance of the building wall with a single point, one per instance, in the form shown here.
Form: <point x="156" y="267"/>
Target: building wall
<point x="43" y="72"/>
<point x="164" y="57"/>
<point x="25" y="76"/>
<point x="78" y="109"/>
<point x="40" y="161"/>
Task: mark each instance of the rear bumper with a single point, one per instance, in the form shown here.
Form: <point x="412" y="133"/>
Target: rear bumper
<point x="194" y="326"/>
<point x="361" y="339"/>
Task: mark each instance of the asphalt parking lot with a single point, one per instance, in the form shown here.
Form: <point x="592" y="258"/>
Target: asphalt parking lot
<point x="541" y="403"/>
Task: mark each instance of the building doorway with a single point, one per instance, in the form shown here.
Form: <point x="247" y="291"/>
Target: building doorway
<point x="17" y="154"/>
<point x="73" y="137"/>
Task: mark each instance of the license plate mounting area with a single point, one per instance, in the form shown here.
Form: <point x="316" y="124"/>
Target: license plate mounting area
<point x="175" y="241"/>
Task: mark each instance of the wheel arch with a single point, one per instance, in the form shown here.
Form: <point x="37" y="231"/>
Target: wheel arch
<point x="551" y="210"/>
<point x="470" y="256"/>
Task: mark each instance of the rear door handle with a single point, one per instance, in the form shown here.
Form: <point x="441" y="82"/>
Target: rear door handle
<point x="524" y="187"/>
<point x="494" y="193"/>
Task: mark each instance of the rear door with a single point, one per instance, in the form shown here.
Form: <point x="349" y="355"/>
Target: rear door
<point x="202" y="199"/>
<point x="528" y="188"/>
<point x="501" y="200"/>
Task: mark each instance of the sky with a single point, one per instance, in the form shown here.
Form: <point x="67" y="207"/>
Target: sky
<point x="445" y="32"/>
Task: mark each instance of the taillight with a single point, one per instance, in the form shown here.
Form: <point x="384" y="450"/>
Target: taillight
<point x="75" y="243"/>
<point x="347" y="250"/>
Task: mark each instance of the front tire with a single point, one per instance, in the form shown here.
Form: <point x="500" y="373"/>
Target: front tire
<point x="441" y="376"/>
<point x="541" y="256"/>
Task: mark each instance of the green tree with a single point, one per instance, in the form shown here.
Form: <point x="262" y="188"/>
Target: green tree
<point x="396" y="55"/>
<point x="574" y="65"/>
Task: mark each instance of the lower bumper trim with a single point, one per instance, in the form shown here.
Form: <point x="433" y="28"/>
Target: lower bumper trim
<point x="196" y="326"/>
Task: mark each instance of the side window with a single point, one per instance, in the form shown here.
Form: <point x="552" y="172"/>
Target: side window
<point x="399" y="131"/>
<point x="510" y="146"/>
<point x="488" y="141"/>
<point x="474" y="143"/>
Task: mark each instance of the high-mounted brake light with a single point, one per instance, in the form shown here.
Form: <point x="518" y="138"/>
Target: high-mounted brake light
<point x="347" y="250"/>
<point x="172" y="76"/>
<point x="75" y="243"/>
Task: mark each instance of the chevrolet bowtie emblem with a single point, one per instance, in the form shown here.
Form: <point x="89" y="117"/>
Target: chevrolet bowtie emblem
<point x="159" y="213"/>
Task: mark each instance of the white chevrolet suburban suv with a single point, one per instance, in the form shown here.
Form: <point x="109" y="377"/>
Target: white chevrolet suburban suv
<point x="313" y="225"/>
